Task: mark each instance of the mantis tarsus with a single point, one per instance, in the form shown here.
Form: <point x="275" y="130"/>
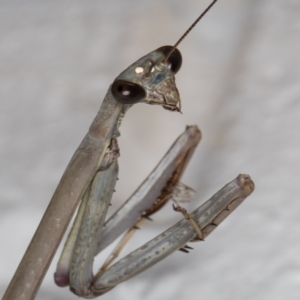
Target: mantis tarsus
<point x="91" y="176"/>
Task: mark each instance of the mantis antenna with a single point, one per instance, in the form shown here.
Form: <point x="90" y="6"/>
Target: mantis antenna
<point x="189" y="29"/>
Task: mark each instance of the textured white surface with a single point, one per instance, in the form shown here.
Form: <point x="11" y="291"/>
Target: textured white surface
<point x="239" y="83"/>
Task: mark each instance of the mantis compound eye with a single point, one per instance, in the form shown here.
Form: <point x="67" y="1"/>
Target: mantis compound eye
<point x="127" y="92"/>
<point x="175" y="60"/>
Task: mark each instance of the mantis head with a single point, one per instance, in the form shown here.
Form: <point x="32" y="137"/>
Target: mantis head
<point x="151" y="80"/>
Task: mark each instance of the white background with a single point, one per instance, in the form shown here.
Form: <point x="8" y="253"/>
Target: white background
<point x="240" y="83"/>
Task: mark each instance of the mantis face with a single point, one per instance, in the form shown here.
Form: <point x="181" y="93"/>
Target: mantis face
<point x="151" y="80"/>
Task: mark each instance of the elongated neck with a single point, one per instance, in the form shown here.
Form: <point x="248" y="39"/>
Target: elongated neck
<point x="109" y="117"/>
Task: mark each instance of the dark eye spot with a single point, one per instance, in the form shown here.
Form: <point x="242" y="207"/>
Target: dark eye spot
<point x="127" y="92"/>
<point x="175" y="59"/>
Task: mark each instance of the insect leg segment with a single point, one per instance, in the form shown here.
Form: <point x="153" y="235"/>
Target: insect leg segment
<point x="101" y="190"/>
<point x="117" y="250"/>
<point x="180" y="154"/>
<point x="61" y="275"/>
<point x="158" y="185"/>
<point x="75" y="266"/>
<point x="188" y="217"/>
<point x="207" y="217"/>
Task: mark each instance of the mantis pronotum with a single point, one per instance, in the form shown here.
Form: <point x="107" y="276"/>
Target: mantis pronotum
<point x="91" y="176"/>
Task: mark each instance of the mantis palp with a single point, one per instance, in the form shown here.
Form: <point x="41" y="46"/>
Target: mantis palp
<point x="91" y="175"/>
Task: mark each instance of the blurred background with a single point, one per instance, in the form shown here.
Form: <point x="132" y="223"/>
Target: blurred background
<point x="239" y="83"/>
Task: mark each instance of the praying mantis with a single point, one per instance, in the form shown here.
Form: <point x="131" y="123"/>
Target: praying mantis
<point x="91" y="176"/>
